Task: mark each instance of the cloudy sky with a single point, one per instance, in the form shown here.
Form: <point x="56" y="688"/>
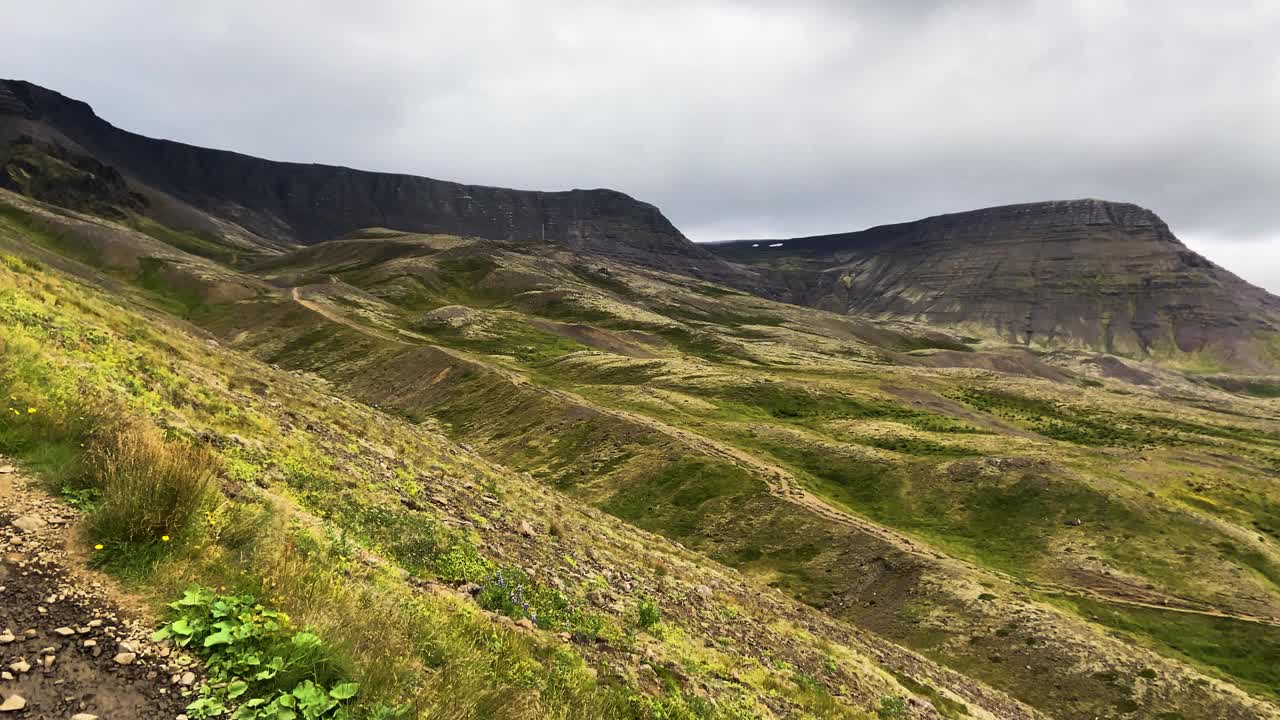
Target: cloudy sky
<point x="754" y="118"/>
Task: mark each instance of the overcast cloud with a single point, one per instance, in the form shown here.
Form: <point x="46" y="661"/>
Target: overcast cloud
<point x="757" y="118"/>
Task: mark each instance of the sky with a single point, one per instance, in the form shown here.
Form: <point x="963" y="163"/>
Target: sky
<point x="746" y="119"/>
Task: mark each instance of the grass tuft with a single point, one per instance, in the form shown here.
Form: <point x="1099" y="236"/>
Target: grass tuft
<point x="152" y="489"/>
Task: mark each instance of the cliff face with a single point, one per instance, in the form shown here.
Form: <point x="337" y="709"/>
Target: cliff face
<point x="305" y="204"/>
<point x="1083" y="273"/>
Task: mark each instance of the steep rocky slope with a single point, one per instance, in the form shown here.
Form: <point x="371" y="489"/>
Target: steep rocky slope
<point x="1083" y="273"/>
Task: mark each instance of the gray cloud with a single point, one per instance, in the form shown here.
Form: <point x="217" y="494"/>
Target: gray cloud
<point x="739" y="119"/>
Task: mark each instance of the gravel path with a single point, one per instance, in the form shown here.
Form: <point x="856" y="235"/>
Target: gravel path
<point x="67" y="649"/>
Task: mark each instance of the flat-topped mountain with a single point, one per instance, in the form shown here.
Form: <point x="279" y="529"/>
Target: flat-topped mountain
<point x="1083" y="273"/>
<point x="295" y="203"/>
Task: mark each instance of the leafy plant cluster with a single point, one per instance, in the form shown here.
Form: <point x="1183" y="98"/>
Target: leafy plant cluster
<point x="260" y="669"/>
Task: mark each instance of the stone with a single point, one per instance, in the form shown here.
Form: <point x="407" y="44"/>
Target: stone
<point x="64" y="631"/>
<point x="6" y="637"/>
<point x="7" y="469"/>
<point x="13" y="703"/>
<point x="84" y="716"/>
<point x="188" y="679"/>
<point x="526" y="529"/>
<point x="124" y="658"/>
<point x="20" y="666"/>
<point x="29" y="523"/>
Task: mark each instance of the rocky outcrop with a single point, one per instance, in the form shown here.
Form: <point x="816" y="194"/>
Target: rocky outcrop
<point x="1081" y="273"/>
<point x="51" y="173"/>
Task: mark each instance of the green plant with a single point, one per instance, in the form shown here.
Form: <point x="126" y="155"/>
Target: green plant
<point x="649" y="614"/>
<point x="892" y="706"/>
<point x="259" y="666"/>
<point x="82" y="499"/>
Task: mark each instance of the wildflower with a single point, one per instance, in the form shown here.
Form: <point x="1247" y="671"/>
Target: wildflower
<point x="31" y="411"/>
<point x="164" y="538"/>
<point x="98" y="546"/>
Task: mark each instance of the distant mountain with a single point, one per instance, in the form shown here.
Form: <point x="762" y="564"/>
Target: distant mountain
<point x="1079" y="273"/>
<point x="277" y="204"/>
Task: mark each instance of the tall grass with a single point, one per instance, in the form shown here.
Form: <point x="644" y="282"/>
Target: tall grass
<point x="152" y="489"/>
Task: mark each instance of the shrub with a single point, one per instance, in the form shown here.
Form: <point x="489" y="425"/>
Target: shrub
<point x="892" y="707"/>
<point x="152" y="489"/>
<point x="649" y="613"/>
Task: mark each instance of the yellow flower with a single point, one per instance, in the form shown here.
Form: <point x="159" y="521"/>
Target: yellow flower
<point x="164" y="538"/>
<point x="98" y="546"/>
<point x="31" y="411"/>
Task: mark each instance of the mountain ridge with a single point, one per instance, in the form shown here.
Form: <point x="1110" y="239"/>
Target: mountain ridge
<point x="306" y="203"/>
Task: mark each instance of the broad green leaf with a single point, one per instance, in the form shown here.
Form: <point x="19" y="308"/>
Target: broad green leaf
<point x="219" y="638"/>
<point x="344" y="691"/>
<point x="237" y="688"/>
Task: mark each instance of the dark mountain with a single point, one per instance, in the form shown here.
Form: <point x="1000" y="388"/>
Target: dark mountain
<point x="280" y="203"/>
<point x="1082" y="273"/>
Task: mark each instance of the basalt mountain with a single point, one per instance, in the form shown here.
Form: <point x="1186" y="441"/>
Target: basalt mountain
<point x="1081" y="273"/>
<point x="836" y="511"/>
